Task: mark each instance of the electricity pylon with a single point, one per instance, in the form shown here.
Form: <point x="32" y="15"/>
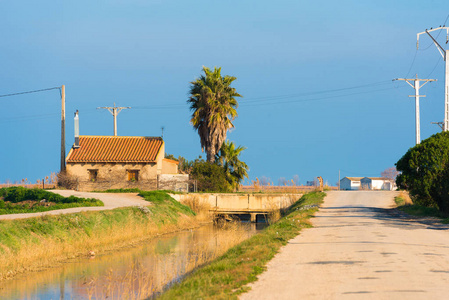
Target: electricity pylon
<point x="114" y="111"/>
<point x="416" y="86"/>
<point x="445" y="54"/>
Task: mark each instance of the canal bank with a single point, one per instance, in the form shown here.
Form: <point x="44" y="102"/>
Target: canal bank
<point x="38" y="243"/>
<point x="228" y="276"/>
<point x="138" y="272"/>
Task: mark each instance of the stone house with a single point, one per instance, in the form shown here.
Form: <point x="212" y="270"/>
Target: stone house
<point x="113" y="162"/>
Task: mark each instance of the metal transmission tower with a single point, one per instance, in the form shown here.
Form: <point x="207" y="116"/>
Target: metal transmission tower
<point x="114" y="111"/>
<point x="443" y="53"/>
<point x="416" y="86"/>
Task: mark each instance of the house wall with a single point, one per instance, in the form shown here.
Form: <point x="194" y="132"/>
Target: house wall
<point x="355" y="185"/>
<point x="113" y="175"/>
<point x="346" y="184"/>
<point x="169" y="167"/>
<point x="378" y="185"/>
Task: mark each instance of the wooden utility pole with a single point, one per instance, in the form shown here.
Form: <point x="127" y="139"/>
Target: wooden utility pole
<point x="63" y="128"/>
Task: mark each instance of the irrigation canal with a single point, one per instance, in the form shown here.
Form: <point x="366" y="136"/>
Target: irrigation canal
<point x="137" y="272"/>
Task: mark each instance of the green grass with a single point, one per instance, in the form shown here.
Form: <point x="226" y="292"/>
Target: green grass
<point x="227" y="276"/>
<point x="420" y="211"/>
<point x="79" y="232"/>
<point x="16" y="200"/>
<point x="65" y="227"/>
<point x="135" y="190"/>
<point x="166" y="209"/>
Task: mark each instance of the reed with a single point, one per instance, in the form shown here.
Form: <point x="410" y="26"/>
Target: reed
<point x="201" y="208"/>
<point x="150" y="280"/>
<point x="37" y="243"/>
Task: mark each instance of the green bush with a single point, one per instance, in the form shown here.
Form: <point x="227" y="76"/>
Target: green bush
<point x="425" y="172"/>
<point x="210" y="177"/>
<point x="15" y="195"/>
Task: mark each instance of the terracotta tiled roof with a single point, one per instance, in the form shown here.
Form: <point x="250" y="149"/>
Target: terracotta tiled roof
<point x="171" y="161"/>
<point x="116" y="149"/>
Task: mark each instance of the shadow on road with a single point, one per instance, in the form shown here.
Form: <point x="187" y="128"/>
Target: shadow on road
<point x="390" y="216"/>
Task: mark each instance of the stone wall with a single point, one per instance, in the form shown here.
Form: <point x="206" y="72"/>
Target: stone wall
<point x="173" y="182"/>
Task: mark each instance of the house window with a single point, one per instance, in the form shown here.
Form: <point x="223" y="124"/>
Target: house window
<point x="133" y="175"/>
<point x="93" y="173"/>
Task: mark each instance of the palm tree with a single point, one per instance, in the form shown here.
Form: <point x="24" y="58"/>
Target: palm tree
<point x="212" y="100"/>
<point x="228" y="157"/>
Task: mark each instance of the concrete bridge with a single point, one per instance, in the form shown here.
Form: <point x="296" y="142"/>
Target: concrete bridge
<point x="249" y="207"/>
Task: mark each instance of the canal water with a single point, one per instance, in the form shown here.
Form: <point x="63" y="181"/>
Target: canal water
<point x="131" y="273"/>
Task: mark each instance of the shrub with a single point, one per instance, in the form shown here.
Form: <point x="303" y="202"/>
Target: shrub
<point x="425" y="172"/>
<point x="210" y="177"/>
<point x="67" y="181"/>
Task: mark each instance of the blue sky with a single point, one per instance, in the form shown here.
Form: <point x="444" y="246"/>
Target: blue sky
<point x="315" y="76"/>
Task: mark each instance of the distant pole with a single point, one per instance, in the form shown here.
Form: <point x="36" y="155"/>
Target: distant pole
<point x="338" y="179"/>
<point x="444" y="53"/>
<point x="63" y="128"/>
<point x="416" y="86"/>
<point x="114" y="111"/>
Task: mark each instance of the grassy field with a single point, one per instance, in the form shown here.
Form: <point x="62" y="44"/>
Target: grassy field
<point x="36" y="243"/>
<point x="16" y="200"/>
<point x="227" y="276"/>
<point x="406" y="205"/>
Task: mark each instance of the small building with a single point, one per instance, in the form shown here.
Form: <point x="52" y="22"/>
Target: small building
<point x="350" y="183"/>
<point x="114" y="162"/>
<point x="377" y="183"/>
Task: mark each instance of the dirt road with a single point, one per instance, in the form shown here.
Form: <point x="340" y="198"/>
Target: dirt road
<point x="110" y="200"/>
<point x="360" y="248"/>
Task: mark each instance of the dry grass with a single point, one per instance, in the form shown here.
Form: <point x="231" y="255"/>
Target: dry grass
<point x="76" y="235"/>
<point x="294" y="189"/>
<point x="201" y="208"/>
<point x="406" y="198"/>
<point x="150" y="280"/>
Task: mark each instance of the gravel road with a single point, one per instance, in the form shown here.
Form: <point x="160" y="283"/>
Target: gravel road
<point x="110" y="200"/>
<point x="360" y="248"/>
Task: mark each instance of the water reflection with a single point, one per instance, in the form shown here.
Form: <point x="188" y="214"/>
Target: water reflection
<point x="134" y="273"/>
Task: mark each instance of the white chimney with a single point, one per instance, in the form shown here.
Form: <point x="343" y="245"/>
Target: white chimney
<point x="77" y="131"/>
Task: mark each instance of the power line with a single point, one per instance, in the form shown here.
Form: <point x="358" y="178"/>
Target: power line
<point x="29" y="92"/>
<point x="413" y="62"/>
<point x="434" y="68"/>
<point x="317" y="99"/>
<point x="256" y="101"/>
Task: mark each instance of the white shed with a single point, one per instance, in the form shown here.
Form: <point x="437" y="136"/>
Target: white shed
<point x="350" y="183"/>
<point x="377" y="183"/>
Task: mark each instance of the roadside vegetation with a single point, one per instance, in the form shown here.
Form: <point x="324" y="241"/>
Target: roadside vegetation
<point x="406" y="205"/>
<point x="228" y="276"/>
<point x="425" y="172"/>
<point x="41" y="242"/>
<point x="15" y="200"/>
